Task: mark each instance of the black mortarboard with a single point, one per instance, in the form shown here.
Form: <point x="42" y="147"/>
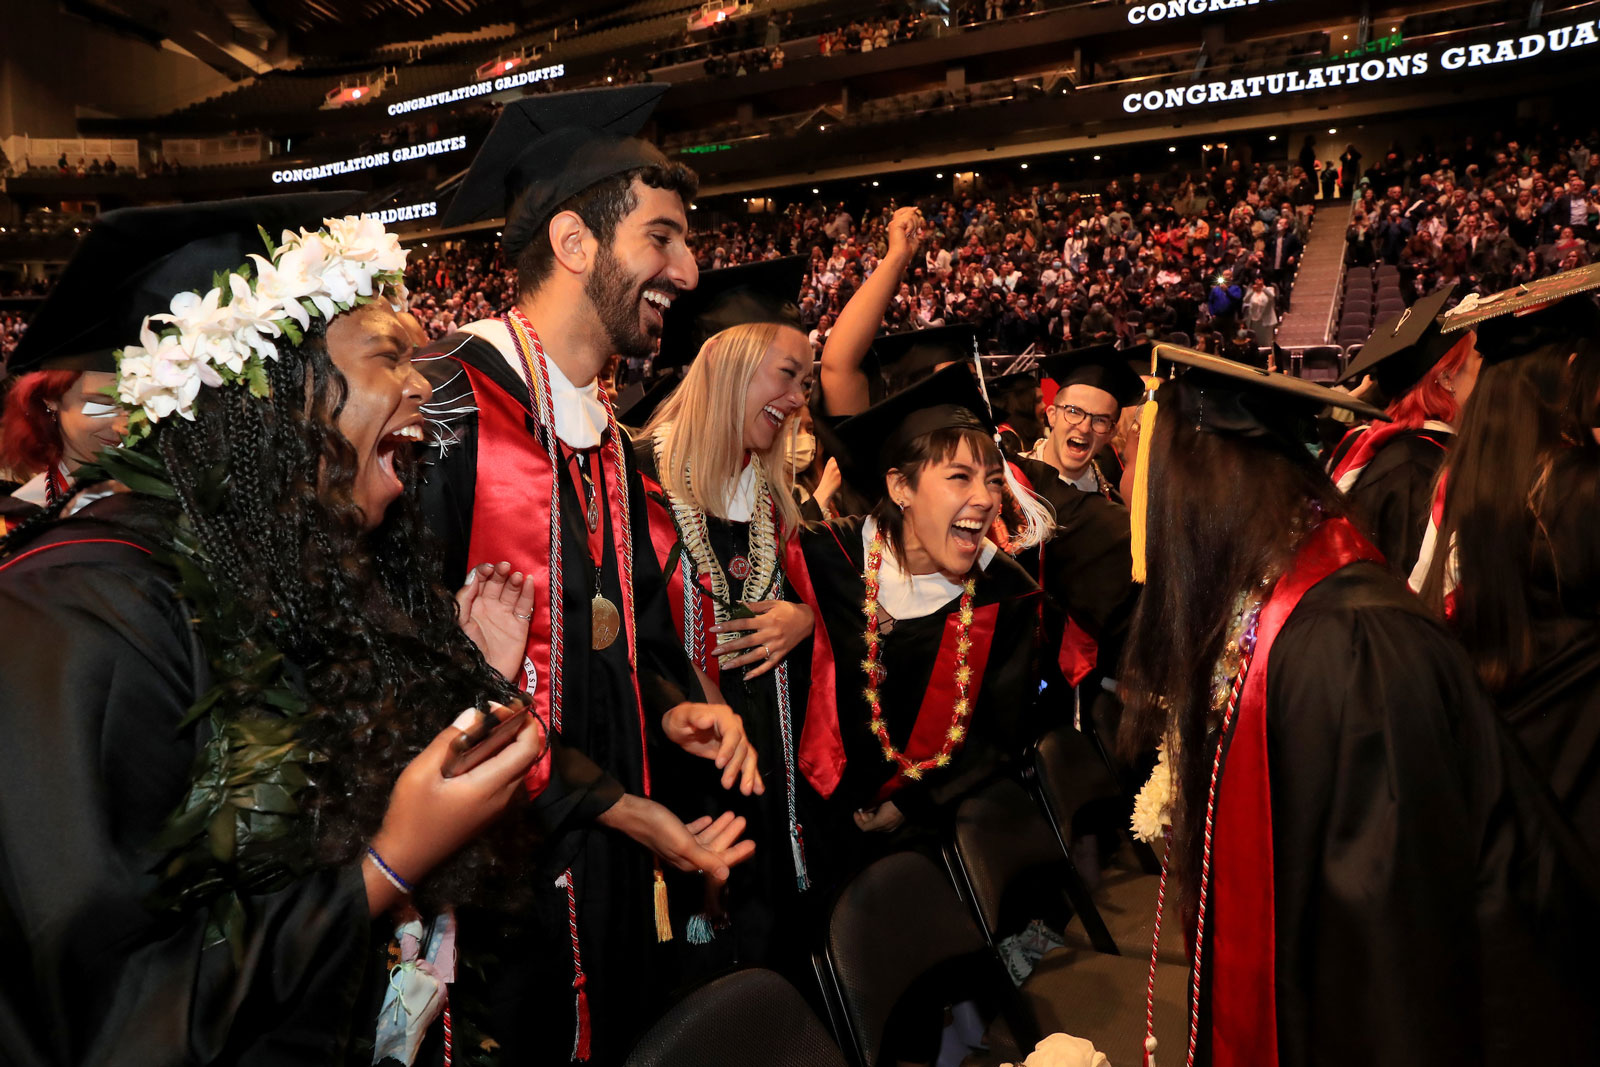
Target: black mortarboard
<point x="639" y="401"/>
<point x="1558" y="309"/>
<point x="133" y="261"/>
<point x="546" y="149"/>
<point x="765" y="291"/>
<point x="1105" y="367"/>
<point x="1226" y="397"/>
<point x="949" y="397"/>
<point x="902" y="358"/>
<point x="1005" y="383"/>
<point x="1405" y="347"/>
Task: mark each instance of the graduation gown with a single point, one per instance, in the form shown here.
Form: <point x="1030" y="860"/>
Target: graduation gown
<point x="1411" y="890"/>
<point x="597" y="754"/>
<point x="840" y="756"/>
<point x="1392" y="494"/>
<point x="99" y="665"/>
<point x="1555" y="708"/>
<point x="764" y="895"/>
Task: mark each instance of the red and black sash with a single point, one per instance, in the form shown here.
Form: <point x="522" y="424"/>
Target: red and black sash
<point x="822" y="755"/>
<point x="1244" y="1029"/>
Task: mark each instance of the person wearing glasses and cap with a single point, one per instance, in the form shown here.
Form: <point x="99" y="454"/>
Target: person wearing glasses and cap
<point x="1353" y="841"/>
<point x="714" y="459"/>
<point x="534" y="468"/>
<point x="1387" y="470"/>
<point x="1091" y="386"/>
<point x="1519" y="505"/>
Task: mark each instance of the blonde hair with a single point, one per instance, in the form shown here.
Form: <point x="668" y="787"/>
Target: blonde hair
<point x="699" y="430"/>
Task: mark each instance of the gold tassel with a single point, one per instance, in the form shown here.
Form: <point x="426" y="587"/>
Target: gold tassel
<point x="663" y="917"/>
<point x="1139" y="506"/>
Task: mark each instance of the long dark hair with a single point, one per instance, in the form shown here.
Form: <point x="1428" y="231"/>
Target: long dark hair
<point x="1224" y="513"/>
<point x="362" y="617"/>
<point x="1513" y="427"/>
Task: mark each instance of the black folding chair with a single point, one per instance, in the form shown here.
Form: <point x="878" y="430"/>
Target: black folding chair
<point x="746" y="1019"/>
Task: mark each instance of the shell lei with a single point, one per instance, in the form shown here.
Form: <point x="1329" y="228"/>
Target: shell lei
<point x="959" y="712"/>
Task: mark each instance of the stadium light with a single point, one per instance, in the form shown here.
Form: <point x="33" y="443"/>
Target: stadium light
<point x="1172" y="148"/>
<point x="1024" y="166"/>
<point x="1333" y="129"/>
<point x="1272" y="137"/>
<point x="939" y="175"/>
<point x="1097" y="158"/>
<point x="356" y="93"/>
<point x="874" y="185"/>
<point x="814" y="189"/>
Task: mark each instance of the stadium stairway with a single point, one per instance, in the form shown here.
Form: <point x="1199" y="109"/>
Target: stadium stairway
<point x="1316" y="285"/>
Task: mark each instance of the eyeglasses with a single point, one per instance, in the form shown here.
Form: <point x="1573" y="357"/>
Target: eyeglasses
<point x="1075" y="416"/>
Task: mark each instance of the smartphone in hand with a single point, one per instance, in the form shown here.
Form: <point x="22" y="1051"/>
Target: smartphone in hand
<point x="492" y="732"/>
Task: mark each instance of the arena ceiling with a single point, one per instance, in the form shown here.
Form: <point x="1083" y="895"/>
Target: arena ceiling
<point x="243" y="37"/>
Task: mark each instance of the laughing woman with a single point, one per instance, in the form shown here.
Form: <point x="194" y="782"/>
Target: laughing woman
<point x="714" y="459"/>
<point x="926" y="630"/>
<point x="230" y="689"/>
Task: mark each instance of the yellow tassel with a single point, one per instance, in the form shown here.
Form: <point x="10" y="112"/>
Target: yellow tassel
<point x="1139" y="506"/>
<point x="663" y="918"/>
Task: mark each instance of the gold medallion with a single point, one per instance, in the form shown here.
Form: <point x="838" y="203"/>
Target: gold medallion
<point x="604" y="622"/>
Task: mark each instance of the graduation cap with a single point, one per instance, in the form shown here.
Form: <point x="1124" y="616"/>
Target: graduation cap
<point x="902" y="358"/>
<point x="640" y="400"/>
<point x="765" y="291"/>
<point x="1405" y="347"/>
<point x="133" y="261"/>
<point x="950" y="397"/>
<point x="544" y="150"/>
<point x="1105" y="367"/>
<point x="1558" y="309"/>
<point x="1223" y="396"/>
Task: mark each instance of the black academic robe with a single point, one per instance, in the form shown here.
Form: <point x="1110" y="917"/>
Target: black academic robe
<point x="835" y="558"/>
<point x="596" y="756"/>
<point x="1555" y="708"/>
<point x="763" y="901"/>
<point x="1393" y="494"/>
<point x="1418" y="921"/>
<point x="99" y="666"/>
<point x="14" y="513"/>
<point x="1085" y="570"/>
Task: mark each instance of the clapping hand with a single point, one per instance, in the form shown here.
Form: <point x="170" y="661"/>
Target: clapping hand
<point x="495" y="605"/>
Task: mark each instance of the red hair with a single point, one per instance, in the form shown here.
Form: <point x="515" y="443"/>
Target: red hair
<point x="30" y="440"/>
<point x="1428" y="399"/>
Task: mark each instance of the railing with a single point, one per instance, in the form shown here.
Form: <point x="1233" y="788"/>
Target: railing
<point x="1344" y="252"/>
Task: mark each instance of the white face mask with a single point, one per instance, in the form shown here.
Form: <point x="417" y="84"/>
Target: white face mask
<point x="802" y="450"/>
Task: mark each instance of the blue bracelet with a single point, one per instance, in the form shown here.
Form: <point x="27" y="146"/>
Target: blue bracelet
<point x="388" y="871"/>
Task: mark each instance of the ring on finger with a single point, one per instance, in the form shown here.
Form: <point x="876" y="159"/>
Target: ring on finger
<point x="524" y="618"/>
<point x="767" y="650"/>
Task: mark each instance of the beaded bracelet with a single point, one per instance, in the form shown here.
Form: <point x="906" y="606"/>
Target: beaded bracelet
<point x="388" y="871"/>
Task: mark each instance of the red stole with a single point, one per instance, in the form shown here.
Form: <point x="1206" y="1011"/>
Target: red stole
<point x="511" y="498"/>
<point x="1244" y="1028"/>
<point x="822" y="755"/>
<point x="1366" y="446"/>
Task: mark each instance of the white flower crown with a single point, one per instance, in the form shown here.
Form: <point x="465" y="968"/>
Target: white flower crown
<point x="224" y="336"/>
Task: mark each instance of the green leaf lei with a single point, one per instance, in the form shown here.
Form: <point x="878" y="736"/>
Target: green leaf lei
<point x="240" y="828"/>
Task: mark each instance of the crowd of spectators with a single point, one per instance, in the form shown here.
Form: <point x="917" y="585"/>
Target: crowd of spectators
<point x="1484" y="217"/>
<point x="1202" y="258"/>
<point x="12" y="326"/>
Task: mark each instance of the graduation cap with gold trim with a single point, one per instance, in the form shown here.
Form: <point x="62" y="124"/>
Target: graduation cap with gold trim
<point x="1405" y="347"/>
<point x="133" y="261"/>
<point x="1557" y="309"/>
<point x="765" y="291"/>
<point x="546" y="149"/>
<point x="1222" y="396"/>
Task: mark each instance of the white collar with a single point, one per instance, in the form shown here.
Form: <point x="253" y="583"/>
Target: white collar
<point x="1087" y="482"/>
<point x="911" y="596"/>
<point x="580" y="414"/>
<point x="34" y="491"/>
<point x="1438" y="427"/>
<point x="742" y="501"/>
